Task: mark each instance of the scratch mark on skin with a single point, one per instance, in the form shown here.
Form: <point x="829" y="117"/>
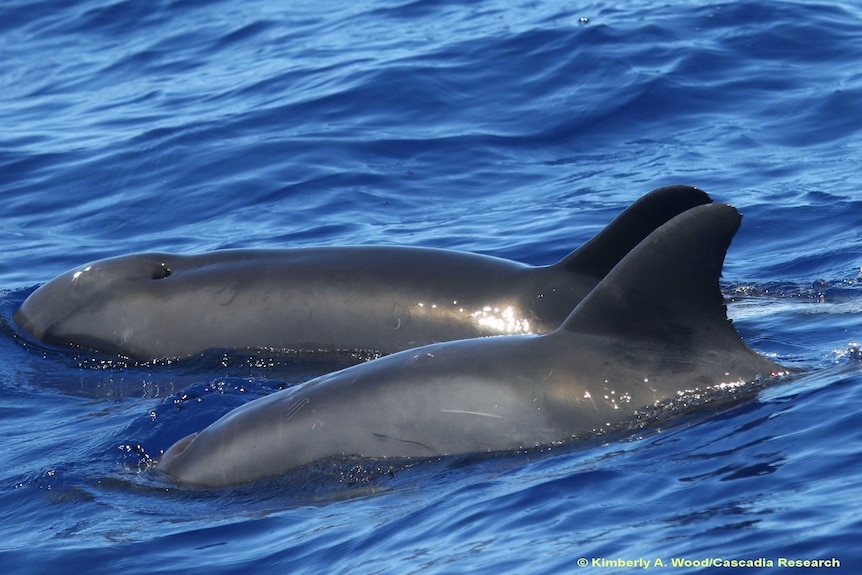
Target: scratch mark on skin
<point x="471" y="413"/>
<point x="383" y="436"/>
<point x="296" y="407"/>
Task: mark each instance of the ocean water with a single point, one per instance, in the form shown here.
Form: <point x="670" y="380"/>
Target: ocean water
<point x="516" y="129"/>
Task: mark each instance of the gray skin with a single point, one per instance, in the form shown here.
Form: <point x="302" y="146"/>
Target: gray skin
<point x="655" y="326"/>
<point x="330" y="299"/>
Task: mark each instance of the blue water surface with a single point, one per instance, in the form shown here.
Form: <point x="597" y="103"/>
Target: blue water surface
<point x="516" y="129"/>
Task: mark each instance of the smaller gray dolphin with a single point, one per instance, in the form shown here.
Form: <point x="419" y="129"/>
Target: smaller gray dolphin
<point x="654" y="327"/>
<point x="332" y="299"/>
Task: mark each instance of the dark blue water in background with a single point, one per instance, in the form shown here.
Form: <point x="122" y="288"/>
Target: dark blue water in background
<point x="516" y="129"/>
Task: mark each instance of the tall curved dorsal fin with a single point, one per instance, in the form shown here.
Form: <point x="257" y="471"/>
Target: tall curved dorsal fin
<point x="597" y="257"/>
<point x="666" y="290"/>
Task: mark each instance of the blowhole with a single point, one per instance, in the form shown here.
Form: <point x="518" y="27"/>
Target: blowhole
<point x="161" y="272"/>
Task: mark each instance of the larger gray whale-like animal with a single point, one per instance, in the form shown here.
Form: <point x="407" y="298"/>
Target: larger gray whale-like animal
<point x="348" y="299"/>
<point x="656" y="325"/>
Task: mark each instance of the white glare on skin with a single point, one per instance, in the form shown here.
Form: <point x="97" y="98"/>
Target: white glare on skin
<point x="500" y="320"/>
<point x="78" y="273"/>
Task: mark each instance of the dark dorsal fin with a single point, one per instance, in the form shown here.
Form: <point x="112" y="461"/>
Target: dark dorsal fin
<point x="598" y="256"/>
<point x="666" y="290"/>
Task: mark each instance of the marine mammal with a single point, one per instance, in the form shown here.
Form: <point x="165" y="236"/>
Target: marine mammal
<point x="655" y="325"/>
<point x="377" y="299"/>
